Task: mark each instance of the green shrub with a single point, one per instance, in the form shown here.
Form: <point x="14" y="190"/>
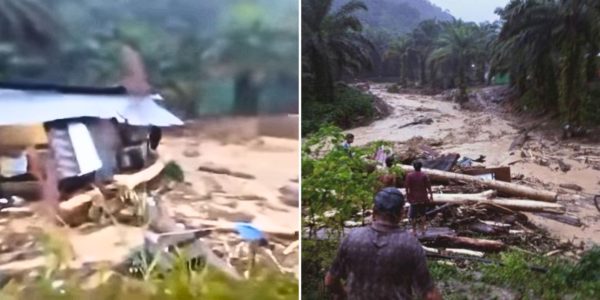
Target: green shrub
<point x="316" y="261"/>
<point x="183" y="282"/>
<point x="394" y="88"/>
<point x="350" y="108"/>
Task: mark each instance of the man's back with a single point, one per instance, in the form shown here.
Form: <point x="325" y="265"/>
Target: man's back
<point x="382" y="261"/>
<point x="417" y="184"/>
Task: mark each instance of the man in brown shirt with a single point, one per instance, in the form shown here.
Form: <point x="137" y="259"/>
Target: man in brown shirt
<point x="418" y="188"/>
<point x="382" y="261"/>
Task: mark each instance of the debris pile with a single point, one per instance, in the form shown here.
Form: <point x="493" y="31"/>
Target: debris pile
<point x="100" y="173"/>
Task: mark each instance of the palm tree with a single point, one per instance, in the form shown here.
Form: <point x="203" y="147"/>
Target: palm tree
<point x="459" y="46"/>
<point x="27" y="22"/>
<point x="541" y="38"/>
<point x="424" y="39"/>
<point x="332" y="42"/>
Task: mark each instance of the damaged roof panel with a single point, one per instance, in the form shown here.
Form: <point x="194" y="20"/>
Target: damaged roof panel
<point x="31" y="107"/>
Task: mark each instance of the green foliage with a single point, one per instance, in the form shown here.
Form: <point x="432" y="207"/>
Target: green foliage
<point x="332" y="45"/>
<point x="579" y="280"/>
<point x="399" y="16"/>
<point x="316" y="261"/>
<point x="334" y="181"/>
<point x="350" y="108"/>
<point x="183" y="44"/>
<point x="181" y="282"/>
<point x="174" y="172"/>
<point x="394" y="88"/>
<point x="547" y="48"/>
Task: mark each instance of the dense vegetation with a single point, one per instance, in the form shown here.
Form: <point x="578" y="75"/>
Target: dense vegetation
<point x="336" y="187"/>
<point x="550" y="50"/>
<point x="184" y="281"/>
<point x="203" y="56"/>
<point x="332" y="45"/>
<point x="398" y="16"/>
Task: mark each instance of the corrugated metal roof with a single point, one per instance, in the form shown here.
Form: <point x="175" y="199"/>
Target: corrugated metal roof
<point x="31" y="107"/>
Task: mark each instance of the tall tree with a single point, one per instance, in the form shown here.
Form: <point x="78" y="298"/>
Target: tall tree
<point x="332" y="42"/>
<point x="27" y="22"/>
<point x="459" y="46"/>
<point x="541" y="38"/>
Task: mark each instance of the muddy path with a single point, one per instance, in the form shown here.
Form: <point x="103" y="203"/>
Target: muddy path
<point x="231" y="146"/>
<point x="490" y="131"/>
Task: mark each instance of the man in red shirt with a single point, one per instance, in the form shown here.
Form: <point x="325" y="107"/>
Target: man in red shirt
<point x="417" y="189"/>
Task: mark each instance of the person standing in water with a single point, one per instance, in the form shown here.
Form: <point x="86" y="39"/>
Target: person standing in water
<point x="419" y="195"/>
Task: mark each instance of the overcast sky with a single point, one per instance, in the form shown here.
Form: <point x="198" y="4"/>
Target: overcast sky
<point x="472" y="10"/>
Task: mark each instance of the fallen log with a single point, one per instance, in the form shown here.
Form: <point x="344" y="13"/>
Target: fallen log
<point x="448" y="241"/>
<point x="465" y="252"/>
<point x="130" y="181"/>
<point x="463" y="198"/>
<point x="486" y="198"/>
<point x="503" y="187"/>
<point x="484" y="228"/>
<point x="561" y="218"/>
<point x="75" y="211"/>
<point x="224" y="171"/>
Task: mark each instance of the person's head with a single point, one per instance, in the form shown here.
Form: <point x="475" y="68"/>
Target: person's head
<point x="350" y="138"/>
<point x="389" y="162"/>
<point x="388" y="205"/>
<point x="417" y="165"/>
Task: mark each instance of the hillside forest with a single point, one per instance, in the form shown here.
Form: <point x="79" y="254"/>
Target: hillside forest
<point x="546" y="51"/>
<point x="205" y="57"/>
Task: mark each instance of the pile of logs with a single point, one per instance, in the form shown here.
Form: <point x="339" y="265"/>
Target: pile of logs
<point x="466" y="217"/>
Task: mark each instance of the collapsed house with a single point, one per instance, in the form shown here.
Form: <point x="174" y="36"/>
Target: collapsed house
<point x="86" y="134"/>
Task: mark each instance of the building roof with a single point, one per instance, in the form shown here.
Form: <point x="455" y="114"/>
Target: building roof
<point x="23" y="104"/>
<point x="63" y="89"/>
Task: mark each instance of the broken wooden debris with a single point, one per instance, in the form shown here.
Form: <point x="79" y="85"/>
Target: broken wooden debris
<point x="571" y="186"/>
<point x="75" y="211"/>
<point x="519" y="141"/>
<point x="225" y="171"/>
<point x="565" y="219"/>
<point x="161" y="222"/>
<point x="444" y="163"/>
<point x="484" y="228"/>
<point x="449" y="241"/>
<point x="130" y="181"/>
<point x="420" y="121"/>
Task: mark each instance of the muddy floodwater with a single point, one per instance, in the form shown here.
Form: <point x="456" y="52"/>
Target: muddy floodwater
<point x="490" y="131"/>
<point x="267" y="161"/>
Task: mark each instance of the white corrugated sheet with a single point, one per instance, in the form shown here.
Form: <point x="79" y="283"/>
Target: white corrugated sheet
<point x="31" y="107"/>
<point x="83" y="146"/>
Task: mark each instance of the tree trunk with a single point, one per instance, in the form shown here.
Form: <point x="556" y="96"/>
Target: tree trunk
<point x="487" y="197"/>
<point x="500" y="186"/>
<point x="247" y="94"/>
<point x="448" y="241"/>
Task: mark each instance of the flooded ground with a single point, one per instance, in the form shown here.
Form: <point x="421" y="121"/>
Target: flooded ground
<point x="490" y="131"/>
<point x="236" y="145"/>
